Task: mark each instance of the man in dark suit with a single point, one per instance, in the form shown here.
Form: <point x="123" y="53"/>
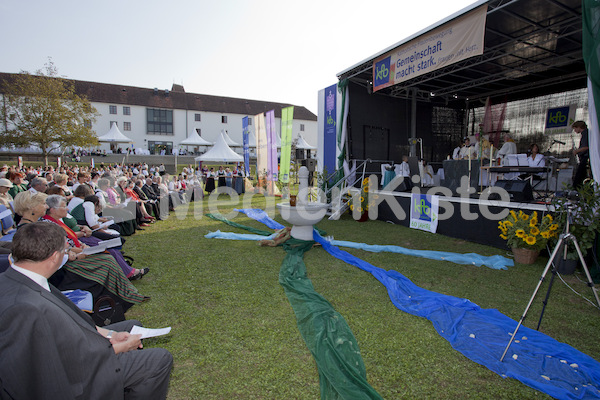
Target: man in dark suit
<point x="52" y="350"/>
<point x="149" y="190"/>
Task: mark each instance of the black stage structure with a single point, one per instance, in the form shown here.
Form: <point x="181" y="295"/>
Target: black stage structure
<point x="532" y="48"/>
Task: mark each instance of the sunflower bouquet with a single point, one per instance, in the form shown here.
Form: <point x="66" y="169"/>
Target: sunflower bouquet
<point x="361" y="203"/>
<point x="526" y="231"/>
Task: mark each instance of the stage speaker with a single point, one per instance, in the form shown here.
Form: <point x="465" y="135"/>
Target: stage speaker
<point x="310" y="164"/>
<point x="519" y="191"/>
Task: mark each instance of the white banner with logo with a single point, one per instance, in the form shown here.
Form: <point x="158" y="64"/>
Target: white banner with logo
<point x="424" y="212"/>
<point x="454" y="41"/>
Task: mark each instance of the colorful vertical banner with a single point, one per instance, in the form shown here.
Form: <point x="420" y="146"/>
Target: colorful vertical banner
<point x="271" y="147"/>
<point x="424" y="212"/>
<point x="92" y="163"/>
<point x="591" y="49"/>
<point x="261" y="145"/>
<point x="329" y="131"/>
<point x="246" y="145"/>
<point x="287" y="119"/>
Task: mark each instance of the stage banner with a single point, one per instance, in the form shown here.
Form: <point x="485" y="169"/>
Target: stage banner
<point x="261" y="145"/>
<point x="456" y="40"/>
<point x="329" y="130"/>
<point x="591" y="49"/>
<point x="287" y="118"/>
<point x="560" y="119"/>
<point x="271" y="147"/>
<point x="246" y="145"/>
<point x="424" y="212"/>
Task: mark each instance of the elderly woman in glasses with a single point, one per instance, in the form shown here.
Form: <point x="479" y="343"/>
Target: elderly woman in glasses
<point x="100" y="268"/>
<point x="57" y="213"/>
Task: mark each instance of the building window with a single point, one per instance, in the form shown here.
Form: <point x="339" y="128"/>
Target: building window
<point x="197" y="118"/>
<point x="249" y="121"/>
<point x="199" y="131"/>
<point x="112" y="109"/>
<point x="126" y="110"/>
<point x="224" y="119"/>
<point x="160" y="122"/>
<point x="113" y="122"/>
<point x="126" y="126"/>
<point x="301" y="127"/>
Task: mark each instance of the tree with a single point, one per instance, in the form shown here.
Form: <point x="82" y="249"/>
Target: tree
<point x="43" y="109"/>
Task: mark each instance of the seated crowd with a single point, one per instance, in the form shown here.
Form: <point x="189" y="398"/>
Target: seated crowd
<point x="74" y="211"/>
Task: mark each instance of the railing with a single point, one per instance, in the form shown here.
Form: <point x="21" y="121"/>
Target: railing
<point x="336" y="193"/>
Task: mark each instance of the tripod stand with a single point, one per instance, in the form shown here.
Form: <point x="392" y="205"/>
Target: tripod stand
<point x="563" y="240"/>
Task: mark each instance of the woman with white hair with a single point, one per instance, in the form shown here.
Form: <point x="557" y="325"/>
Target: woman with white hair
<point x="80" y="268"/>
<point x="509" y="147"/>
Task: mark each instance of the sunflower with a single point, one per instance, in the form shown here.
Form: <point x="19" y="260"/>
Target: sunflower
<point x="553" y="227"/>
<point x="508" y="224"/>
<point x="533" y="221"/>
<point x="504" y="236"/>
<point x="530" y="240"/>
<point x="534" y="230"/>
<point x="520" y="233"/>
<point x="352" y="207"/>
<point x="513" y="214"/>
<point x="524" y="217"/>
<point x="545" y="234"/>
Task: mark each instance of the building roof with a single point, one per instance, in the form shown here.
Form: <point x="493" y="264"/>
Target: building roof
<point x="531" y="48"/>
<point x="177" y="98"/>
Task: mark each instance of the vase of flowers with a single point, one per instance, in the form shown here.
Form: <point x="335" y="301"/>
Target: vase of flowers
<point x="526" y="234"/>
<point x="360" y="204"/>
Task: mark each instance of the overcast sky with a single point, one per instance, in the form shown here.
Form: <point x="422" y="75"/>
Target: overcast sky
<point x="274" y="50"/>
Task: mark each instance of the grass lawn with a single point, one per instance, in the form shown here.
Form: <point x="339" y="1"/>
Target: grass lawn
<point x="234" y="332"/>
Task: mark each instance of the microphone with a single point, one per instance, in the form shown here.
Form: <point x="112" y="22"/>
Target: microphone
<point x="559" y="142"/>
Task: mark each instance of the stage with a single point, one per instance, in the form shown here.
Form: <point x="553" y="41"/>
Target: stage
<point x="460" y="217"/>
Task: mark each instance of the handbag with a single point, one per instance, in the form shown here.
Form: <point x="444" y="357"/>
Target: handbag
<point x="107" y="311"/>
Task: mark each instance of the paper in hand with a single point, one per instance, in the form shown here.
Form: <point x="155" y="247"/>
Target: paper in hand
<point x="146" y="332"/>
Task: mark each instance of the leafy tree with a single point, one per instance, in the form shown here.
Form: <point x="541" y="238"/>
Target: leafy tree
<point x="43" y="109"/>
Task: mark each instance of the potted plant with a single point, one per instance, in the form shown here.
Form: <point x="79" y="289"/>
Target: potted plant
<point x="526" y="235"/>
<point x="581" y="206"/>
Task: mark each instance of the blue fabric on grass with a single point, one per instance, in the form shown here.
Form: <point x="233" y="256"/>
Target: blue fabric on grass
<point x="238" y="236"/>
<point x="494" y="262"/>
<point x="534" y="358"/>
<point x="260" y="216"/>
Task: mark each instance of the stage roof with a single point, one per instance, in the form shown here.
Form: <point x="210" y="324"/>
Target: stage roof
<point x="532" y="48"/>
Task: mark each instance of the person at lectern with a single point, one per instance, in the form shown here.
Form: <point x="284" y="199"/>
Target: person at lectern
<point x="509" y="147"/>
<point x="582" y="152"/>
<point x="482" y="147"/>
<point x="467" y="149"/>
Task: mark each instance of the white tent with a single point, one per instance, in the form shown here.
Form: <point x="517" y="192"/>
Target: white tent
<point x="220" y="152"/>
<point x="302" y="144"/>
<point x="228" y="140"/>
<point x="195" y="140"/>
<point x="114" y="135"/>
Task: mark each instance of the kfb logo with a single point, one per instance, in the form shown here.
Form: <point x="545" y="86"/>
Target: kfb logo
<point x="422" y="208"/>
<point x="382" y="72"/>
<point x="557" y="117"/>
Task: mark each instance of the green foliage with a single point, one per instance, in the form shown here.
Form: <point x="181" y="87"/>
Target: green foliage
<point x="43" y="109"/>
<point x="585" y="217"/>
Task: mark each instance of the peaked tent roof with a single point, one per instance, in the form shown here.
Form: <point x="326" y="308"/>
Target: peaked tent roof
<point x="114" y="135"/>
<point x="195" y="140"/>
<point x="229" y="140"/>
<point x="303" y="144"/>
<point x="220" y="152"/>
